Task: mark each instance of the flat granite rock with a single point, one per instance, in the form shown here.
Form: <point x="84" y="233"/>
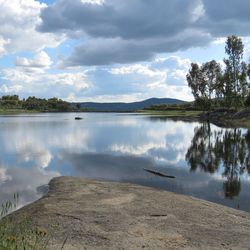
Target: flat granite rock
<point x="86" y="214"/>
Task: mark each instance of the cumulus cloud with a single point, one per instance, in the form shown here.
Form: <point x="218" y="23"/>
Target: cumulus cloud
<point x="115" y="18"/>
<point x="226" y="17"/>
<point x="26" y="81"/>
<point x="115" y="31"/>
<point x="41" y="60"/>
<point x="165" y="76"/>
<point x="135" y="33"/>
<point x="3" y="42"/>
<point x="116" y="50"/>
<point x="25" y="181"/>
<point x="137" y="68"/>
<point x="18" y="21"/>
<point x="6" y="89"/>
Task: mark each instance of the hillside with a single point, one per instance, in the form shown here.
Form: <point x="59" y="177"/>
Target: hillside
<point x="133" y="106"/>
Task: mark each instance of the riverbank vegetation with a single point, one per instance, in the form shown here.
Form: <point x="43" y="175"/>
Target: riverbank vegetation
<point x="14" y="104"/>
<point x="21" y="234"/>
<point x="214" y="85"/>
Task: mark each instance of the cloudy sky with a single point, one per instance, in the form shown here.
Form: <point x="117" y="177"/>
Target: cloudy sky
<point x="112" y="50"/>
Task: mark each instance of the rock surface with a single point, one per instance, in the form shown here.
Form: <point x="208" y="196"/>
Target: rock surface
<point x="107" y="215"/>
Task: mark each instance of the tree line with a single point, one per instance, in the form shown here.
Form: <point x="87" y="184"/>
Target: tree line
<point x="33" y="103"/>
<point x="215" y="85"/>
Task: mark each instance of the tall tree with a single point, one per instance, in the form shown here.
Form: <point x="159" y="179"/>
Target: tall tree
<point x="247" y="103"/>
<point x="196" y="83"/>
<point x="235" y="72"/>
<point x="203" y="82"/>
<point x="211" y="75"/>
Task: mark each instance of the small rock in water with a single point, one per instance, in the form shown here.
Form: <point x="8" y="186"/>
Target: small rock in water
<point x="78" y="118"/>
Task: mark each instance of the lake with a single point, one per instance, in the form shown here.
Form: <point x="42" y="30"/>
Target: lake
<point x="208" y="162"/>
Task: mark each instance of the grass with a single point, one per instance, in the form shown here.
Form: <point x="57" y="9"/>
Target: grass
<point x="192" y="114"/>
<point x="173" y="113"/>
<point x="15" y="111"/>
<point x="243" y="123"/>
<point x="19" y="235"/>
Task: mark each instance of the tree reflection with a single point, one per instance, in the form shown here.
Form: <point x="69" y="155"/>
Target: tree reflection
<point x="226" y="149"/>
<point x="202" y="154"/>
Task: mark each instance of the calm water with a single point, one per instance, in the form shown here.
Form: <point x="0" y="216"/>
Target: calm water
<point x="209" y="162"/>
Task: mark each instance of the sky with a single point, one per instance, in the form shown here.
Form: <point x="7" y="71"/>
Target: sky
<point x="113" y="50"/>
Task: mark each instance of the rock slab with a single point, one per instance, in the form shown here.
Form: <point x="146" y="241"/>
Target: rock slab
<point x="86" y="214"/>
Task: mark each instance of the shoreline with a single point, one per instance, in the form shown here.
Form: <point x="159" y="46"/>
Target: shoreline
<point x="219" y="118"/>
<point x="109" y="215"/>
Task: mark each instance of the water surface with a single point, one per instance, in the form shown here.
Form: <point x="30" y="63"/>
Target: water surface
<point x="208" y="162"/>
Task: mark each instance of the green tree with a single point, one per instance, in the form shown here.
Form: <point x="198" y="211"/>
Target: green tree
<point x="211" y="76"/>
<point x="247" y="103"/>
<point x="196" y="83"/>
<point x="235" y="77"/>
<point x="203" y="82"/>
<point x="10" y="101"/>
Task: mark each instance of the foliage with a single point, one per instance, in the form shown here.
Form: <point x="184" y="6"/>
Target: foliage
<point x="213" y="88"/>
<point x="235" y="72"/>
<point x="33" y="103"/>
<point x="204" y="83"/>
<point x="14" y="236"/>
<point x="175" y="107"/>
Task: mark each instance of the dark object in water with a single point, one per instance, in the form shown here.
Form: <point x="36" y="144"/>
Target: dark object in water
<point x="78" y="118"/>
<point x="159" y="173"/>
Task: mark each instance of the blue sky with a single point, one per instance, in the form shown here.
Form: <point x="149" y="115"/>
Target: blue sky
<point x="112" y="50"/>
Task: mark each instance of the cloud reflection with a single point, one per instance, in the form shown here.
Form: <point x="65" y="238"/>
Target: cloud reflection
<point x="105" y="146"/>
<point x="24" y="181"/>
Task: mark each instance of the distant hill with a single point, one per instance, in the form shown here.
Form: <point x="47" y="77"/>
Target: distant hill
<point x="123" y="107"/>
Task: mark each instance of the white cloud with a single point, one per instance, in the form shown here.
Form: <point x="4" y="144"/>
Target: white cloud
<point x="163" y="77"/>
<point x="10" y="89"/>
<point x="179" y="74"/>
<point x="198" y="11"/>
<point x="130" y="31"/>
<point x="99" y="2"/>
<point x="41" y="60"/>
<point x="133" y="97"/>
<point x="138" y="69"/>
<point x="181" y="62"/>
<point x="39" y="83"/>
<point x="18" y="21"/>
<point x="220" y="40"/>
<point x="3" y="42"/>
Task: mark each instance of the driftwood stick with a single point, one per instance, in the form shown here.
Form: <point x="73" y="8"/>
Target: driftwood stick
<point x="158" y="173"/>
